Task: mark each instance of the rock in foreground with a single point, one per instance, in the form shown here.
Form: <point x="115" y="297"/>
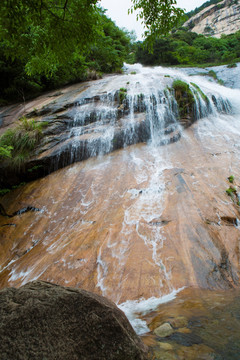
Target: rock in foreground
<point x="41" y="320"/>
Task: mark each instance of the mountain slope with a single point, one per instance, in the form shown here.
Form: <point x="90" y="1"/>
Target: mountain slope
<point x="216" y="20"/>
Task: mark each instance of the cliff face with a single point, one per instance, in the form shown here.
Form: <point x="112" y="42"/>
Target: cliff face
<point x="217" y="19"/>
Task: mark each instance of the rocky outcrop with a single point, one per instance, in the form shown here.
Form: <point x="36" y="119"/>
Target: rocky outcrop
<point x="44" y="321"/>
<point x="217" y="19"/>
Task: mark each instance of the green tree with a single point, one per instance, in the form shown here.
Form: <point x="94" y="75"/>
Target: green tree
<point x="158" y="16"/>
<point x="45" y="33"/>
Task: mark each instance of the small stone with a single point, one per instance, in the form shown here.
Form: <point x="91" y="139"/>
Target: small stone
<point x="165" y="346"/>
<point x="179" y="322"/>
<point x="164" y="330"/>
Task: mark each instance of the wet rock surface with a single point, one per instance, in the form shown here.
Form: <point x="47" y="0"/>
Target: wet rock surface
<point x="45" y="321"/>
<point x="91" y="119"/>
<point x="212" y="322"/>
<point x="164" y="330"/>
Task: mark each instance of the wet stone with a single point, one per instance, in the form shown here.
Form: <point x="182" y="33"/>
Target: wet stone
<point x="165" y="346"/>
<point x="186" y="339"/>
<point x="164" y="330"/>
<point x="179" y="322"/>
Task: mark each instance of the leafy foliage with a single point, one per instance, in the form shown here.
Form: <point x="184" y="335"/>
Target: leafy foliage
<point x="5" y="151"/>
<point x="231" y="179"/>
<point x="184" y="47"/>
<point x="19" y="142"/>
<point x="105" y="55"/>
<point x="183" y="96"/>
<point x="158" y="16"/>
<point x="46" y="33"/>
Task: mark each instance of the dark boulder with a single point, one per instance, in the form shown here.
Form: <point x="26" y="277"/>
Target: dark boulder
<point x="41" y="320"/>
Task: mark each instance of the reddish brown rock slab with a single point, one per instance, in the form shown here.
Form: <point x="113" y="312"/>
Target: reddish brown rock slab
<point x="112" y="226"/>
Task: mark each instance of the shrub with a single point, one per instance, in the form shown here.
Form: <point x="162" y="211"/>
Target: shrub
<point x="184" y="97"/>
<point x="232" y="65"/>
<point x="17" y="143"/>
<point x="230" y="191"/>
<point x="122" y="95"/>
<point x="5" y="151"/>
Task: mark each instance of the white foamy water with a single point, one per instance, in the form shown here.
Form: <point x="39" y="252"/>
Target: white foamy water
<point x="133" y="309"/>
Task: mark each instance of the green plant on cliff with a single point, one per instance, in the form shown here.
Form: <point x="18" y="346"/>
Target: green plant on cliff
<point x="231" y="190"/>
<point x="231" y="179"/>
<point x="199" y="91"/>
<point x="122" y="95"/>
<point x="20" y="141"/>
<point x="5" y="151"/>
<point x="184" y="97"/>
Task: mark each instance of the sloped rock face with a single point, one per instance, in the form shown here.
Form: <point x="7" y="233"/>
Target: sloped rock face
<point x="45" y="321"/>
<point x="88" y="121"/>
<point x="218" y="19"/>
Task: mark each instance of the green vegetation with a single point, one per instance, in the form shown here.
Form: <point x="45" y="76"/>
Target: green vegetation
<point x="122" y="95"/>
<point x="36" y="167"/>
<point x="199" y="91"/>
<point x="6" y="191"/>
<point x="203" y="6"/>
<point x="133" y="72"/>
<point x="230" y="66"/>
<point x="46" y="44"/>
<point x="184" y="97"/>
<point x="20" y="141"/>
<point x="231" y="190"/>
<point x="231" y="179"/>
<point x="5" y="151"/>
<point x="159" y="17"/>
<point x="212" y="74"/>
<point x="184" y="47"/>
<point x="34" y="59"/>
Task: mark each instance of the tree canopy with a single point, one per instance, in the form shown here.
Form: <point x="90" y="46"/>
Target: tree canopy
<point x="184" y="47"/>
<point x="44" y="33"/>
<point x="47" y="32"/>
<point x="158" y="16"/>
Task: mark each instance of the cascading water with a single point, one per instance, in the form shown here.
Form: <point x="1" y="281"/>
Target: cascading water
<point x="135" y="108"/>
<point x="133" y="224"/>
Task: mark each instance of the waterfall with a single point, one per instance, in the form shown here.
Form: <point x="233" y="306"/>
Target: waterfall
<point x="139" y="106"/>
<point x="142" y="218"/>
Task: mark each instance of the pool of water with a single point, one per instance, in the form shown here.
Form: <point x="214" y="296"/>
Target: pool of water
<point x="202" y="324"/>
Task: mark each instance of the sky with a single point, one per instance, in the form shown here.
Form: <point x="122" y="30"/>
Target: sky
<point x="118" y="12"/>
